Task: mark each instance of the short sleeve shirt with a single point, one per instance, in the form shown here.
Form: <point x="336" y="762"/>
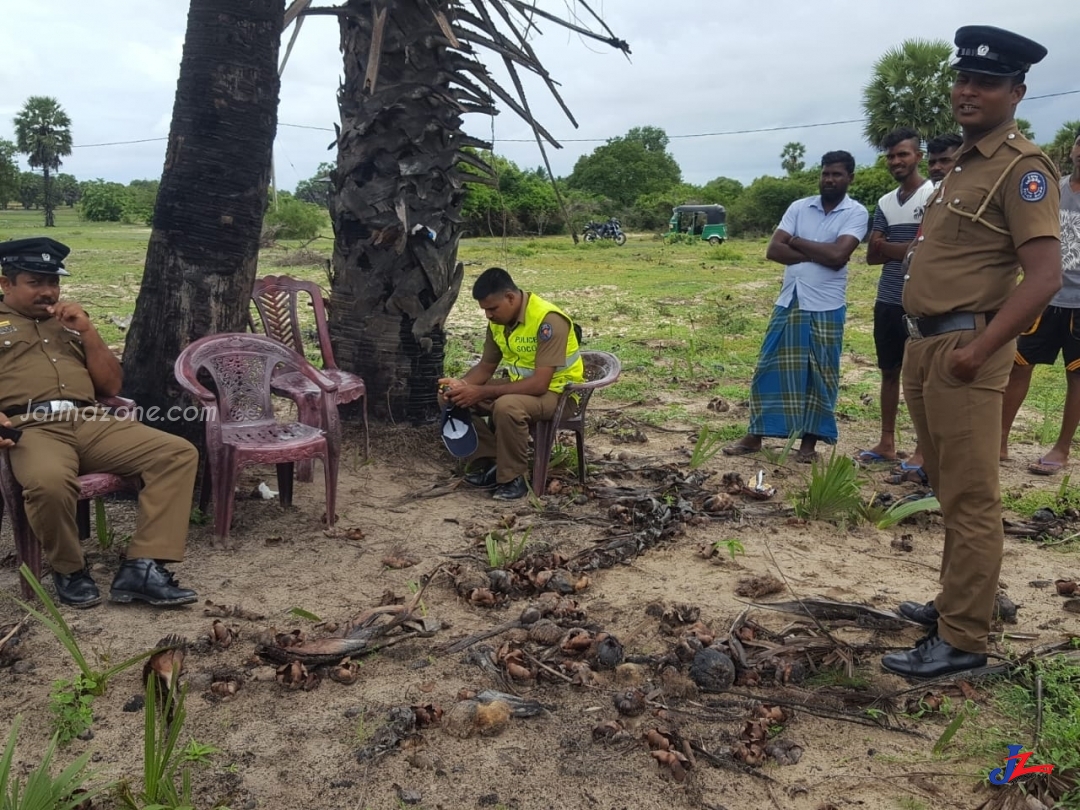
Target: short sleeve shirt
<point x="819" y="288"/>
<point x="40" y="360"/>
<point x="549" y="353"/>
<point x="1002" y="193"/>
<point x="899" y="221"/>
<point x="1069" y="294"/>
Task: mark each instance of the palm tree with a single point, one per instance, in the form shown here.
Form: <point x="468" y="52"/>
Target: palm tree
<point x="203" y="252"/>
<point x="43" y="134"/>
<point x="910" y="87"/>
<point x="411" y="73"/>
<point x="1058" y="149"/>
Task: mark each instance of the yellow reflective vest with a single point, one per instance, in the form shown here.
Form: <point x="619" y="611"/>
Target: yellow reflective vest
<point x="519" y="349"/>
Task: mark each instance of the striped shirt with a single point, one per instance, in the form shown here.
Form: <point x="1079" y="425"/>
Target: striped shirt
<point x="900" y="223"/>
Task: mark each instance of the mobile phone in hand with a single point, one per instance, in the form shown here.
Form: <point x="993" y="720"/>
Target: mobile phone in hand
<point x="10" y="433"/>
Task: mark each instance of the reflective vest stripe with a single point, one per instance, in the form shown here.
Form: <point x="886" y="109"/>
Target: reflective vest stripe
<point x="528" y="372"/>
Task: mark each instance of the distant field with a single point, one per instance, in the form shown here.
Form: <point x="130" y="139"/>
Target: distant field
<point x="684" y="319"/>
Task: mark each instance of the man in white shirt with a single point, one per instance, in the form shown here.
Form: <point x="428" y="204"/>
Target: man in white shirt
<point x="896" y="223"/>
<point x="798" y="373"/>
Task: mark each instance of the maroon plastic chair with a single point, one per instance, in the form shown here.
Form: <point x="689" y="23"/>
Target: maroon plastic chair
<point x="277" y="300"/>
<point x="601" y="370"/>
<point x="92" y="485"/>
<point x="241" y="428"/>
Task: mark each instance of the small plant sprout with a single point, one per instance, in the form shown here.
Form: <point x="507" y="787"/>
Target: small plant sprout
<point x="198" y="752"/>
<point x="732" y="544"/>
<point x="304" y="614"/>
<point x="778" y="458"/>
<point x="708" y="444"/>
<point x="504" y="548"/>
<point x="832" y="493"/>
<point x="71" y="703"/>
<point x="39" y="789"/>
<point x="54" y="621"/>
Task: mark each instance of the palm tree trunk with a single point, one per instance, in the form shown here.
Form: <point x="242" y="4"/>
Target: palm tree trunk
<point x="47" y="191"/>
<point x="393" y="284"/>
<point x="203" y="252"/>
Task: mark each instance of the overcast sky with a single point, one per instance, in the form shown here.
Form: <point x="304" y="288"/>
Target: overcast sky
<point x="697" y="66"/>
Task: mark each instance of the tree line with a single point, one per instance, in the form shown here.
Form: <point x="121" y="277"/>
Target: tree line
<point x="635" y="178"/>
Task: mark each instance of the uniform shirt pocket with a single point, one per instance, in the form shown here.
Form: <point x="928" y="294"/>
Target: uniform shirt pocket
<point x="73" y="345"/>
<point x="13" y="344"/>
<point x="963" y="206"/>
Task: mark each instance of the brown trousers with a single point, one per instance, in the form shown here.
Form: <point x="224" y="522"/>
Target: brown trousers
<point x="959" y="427"/>
<point x="509" y="443"/>
<point x="52" y="454"/>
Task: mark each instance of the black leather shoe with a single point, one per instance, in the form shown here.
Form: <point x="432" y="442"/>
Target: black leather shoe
<point x="932" y="658"/>
<point x="148" y="581"/>
<point x="77" y="589"/>
<point x="511" y="490"/>
<point x="920" y="614"/>
<point x="485" y="479"/>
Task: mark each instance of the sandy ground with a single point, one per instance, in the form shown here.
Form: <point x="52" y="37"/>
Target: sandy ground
<point x="282" y="748"/>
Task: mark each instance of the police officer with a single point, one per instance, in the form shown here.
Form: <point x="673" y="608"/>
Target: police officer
<point x="995" y="212"/>
<point x="539" y="346"/>
<point x="53" y="367"/>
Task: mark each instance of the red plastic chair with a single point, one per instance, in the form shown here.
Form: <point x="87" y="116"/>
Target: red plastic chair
<point x="93" y="485"/>
<point x="601" y="370"/>
<point x="277" y="300"/>
<point x="241" y="428"/>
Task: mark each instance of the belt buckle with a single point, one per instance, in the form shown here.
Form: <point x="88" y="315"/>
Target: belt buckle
<point x="912" y="326"/>
<point x="61" y="405"/>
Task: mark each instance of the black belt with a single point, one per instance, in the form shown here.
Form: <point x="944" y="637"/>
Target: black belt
<point x="48" y="406"/>
<point x="932" y="325"/>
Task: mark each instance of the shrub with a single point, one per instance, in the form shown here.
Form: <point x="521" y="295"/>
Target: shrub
<point x="103" y="202"/>
<point x="294" y="219"/>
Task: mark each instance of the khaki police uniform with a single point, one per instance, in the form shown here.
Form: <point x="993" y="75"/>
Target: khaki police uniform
<point x="41" y="361"/>
<point x="512" y="414"/>
<point x="1002" y="193"/>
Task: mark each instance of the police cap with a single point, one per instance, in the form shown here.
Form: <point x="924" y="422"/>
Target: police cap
<point x="38" y="254"/>
<point x="994" y="51"/>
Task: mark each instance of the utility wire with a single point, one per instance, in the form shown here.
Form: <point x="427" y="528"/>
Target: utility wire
<point x="605" y="140"/>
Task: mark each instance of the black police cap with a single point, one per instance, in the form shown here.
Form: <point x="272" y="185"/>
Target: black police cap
<point x="38" y="254"/>
<point x="994" y="51"/>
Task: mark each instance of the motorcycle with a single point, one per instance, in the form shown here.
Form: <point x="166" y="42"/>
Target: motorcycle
<point x="612" y="229"/>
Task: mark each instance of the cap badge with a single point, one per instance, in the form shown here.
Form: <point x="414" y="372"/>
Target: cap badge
<point x="45" y="257"/>
<point x="983" y="50"/>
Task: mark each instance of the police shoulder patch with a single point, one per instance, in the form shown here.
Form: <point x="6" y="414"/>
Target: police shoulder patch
<point x="1033" y="186"/>
<point x="545" y="331"/>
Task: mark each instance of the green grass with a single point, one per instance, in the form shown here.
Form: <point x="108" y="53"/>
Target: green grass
<point x="1012" y="720"/>
<point x="1065" y="496"/>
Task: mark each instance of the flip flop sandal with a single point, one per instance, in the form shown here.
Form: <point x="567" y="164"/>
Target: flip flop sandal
<point x="1044" y="467"/>
<point x="870" y="457"/>
<point x="808" y="458"/>
<point x="908" y="475"/>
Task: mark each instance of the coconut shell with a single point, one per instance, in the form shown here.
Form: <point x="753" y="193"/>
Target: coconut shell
<point x="712" y="671"/>
<point x="609" y="653"/>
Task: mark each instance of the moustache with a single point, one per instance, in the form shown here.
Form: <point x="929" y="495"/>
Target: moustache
<point x="45" y="302"/>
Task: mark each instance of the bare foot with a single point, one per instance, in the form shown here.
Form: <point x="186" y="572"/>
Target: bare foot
<point x="744" y="446"/>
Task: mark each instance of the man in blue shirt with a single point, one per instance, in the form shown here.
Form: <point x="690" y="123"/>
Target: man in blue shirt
<point x="798" y="373"/>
